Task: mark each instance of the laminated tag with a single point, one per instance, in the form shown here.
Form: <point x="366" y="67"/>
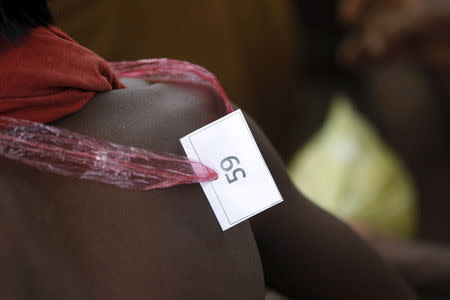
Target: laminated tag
<point x="244" y="186"/>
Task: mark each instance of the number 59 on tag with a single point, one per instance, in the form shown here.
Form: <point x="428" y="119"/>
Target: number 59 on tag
<point x="227" y="165"/>
<point x="245" y="186"/>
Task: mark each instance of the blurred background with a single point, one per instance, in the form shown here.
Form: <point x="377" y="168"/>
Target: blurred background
<point x="354" y="94"/>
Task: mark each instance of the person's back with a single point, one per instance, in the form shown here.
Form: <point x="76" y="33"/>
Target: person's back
<point x="66" y="239"/>
<point x="75" y="240"/>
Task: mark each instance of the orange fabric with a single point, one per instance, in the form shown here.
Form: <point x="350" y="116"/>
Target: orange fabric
<point x="48" y="76"/>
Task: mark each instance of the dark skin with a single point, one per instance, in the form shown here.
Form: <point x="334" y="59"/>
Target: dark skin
<point x="384" y="29"/>
<point x="66" y="239"/>
<point x="414" y="120"/>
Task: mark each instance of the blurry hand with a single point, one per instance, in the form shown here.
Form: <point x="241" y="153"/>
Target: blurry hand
<point x="385" y="28"/>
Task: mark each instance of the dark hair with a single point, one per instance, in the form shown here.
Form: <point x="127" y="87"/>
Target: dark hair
<point x="17" y="17"/>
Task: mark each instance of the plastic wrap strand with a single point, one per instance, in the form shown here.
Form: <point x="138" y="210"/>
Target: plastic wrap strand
<point x="67" y="153"/>
<point x="169" y="70"/>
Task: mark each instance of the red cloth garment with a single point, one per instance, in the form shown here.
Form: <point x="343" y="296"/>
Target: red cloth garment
<point x="48" y="76"/>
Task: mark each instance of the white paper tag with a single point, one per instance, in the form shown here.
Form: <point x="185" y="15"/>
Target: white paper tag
<point x="245" y="186"/>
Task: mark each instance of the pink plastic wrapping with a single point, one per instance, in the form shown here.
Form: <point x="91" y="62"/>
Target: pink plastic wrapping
<point x="170" y="70"/>
<point x="67" y="153"/>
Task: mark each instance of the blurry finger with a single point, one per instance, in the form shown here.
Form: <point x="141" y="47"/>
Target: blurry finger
<point x="384" y="31"/>
<point x="351" y="11"/>
<point x="379" y="34"/>
<point x="362" y="48"/>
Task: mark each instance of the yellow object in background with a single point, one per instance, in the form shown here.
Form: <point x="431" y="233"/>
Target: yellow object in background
<point x="347" y="170"/>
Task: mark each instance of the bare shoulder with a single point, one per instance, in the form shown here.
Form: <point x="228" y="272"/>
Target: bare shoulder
<point x="75" y="240"/>
<point x="153" y="116"/>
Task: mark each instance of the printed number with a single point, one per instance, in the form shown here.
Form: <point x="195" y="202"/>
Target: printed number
<point x="235" y="175"/>
<point x="229" y="159"/>
<point x="227" y="165"/>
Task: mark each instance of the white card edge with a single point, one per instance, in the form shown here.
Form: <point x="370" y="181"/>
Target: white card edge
<point x="213" y="202"/>
<point x="188" y="147"/>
